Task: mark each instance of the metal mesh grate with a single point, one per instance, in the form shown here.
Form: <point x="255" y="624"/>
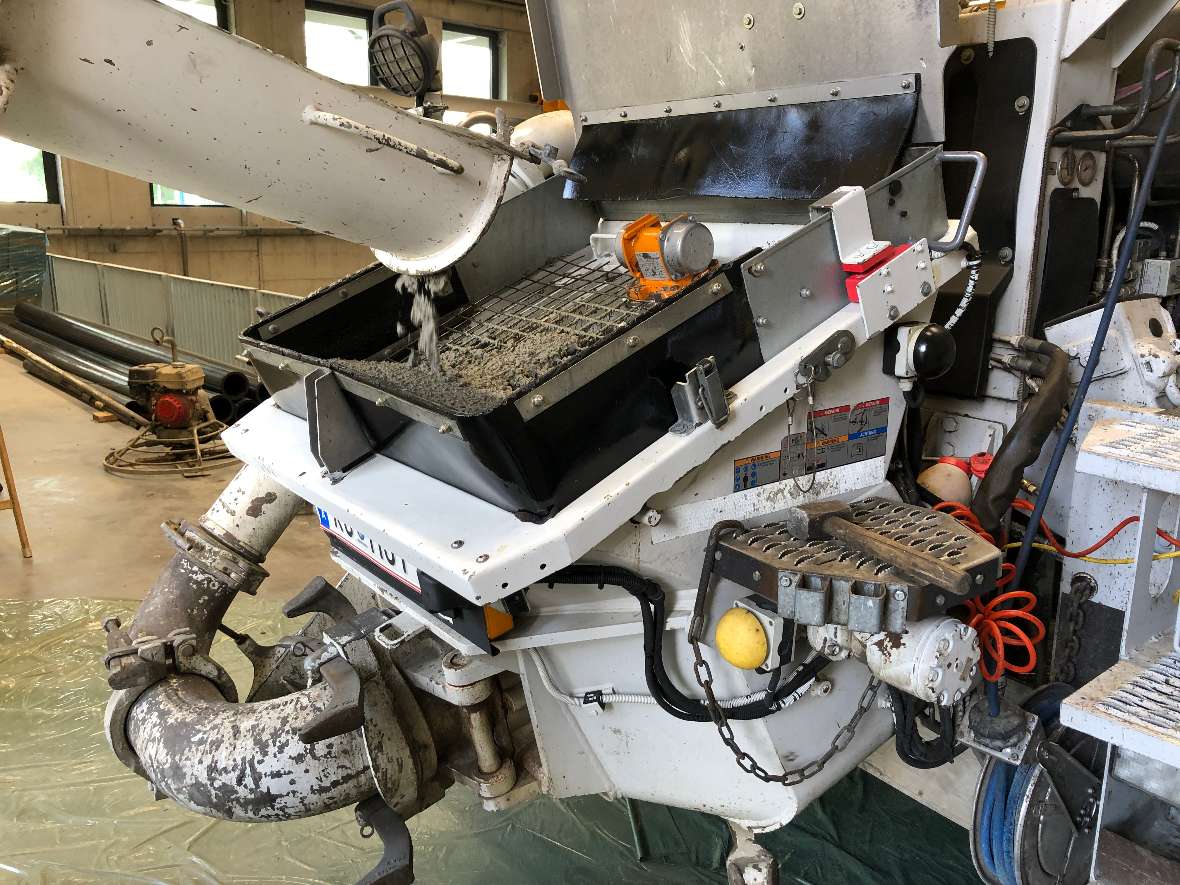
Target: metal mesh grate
<point x="511" y="340"/>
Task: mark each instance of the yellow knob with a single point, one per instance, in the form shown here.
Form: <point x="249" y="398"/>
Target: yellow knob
<point x="741" y="639"/>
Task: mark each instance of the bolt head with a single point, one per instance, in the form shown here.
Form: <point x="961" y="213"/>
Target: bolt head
<point x="834" y="91"/>
<point x="583" y="117"/>
<point x="667" y="109"/>
<point x="1022" y="104"/>
<point x="944" y="645"/>
<point x="835" y="360"/>
<point x="939" y="599"/>
<point x="383" y="401"/>
<point x="757" y="575"/>
<point x="483" y="557"/>
<point x="899" y="595"/>
<point x="717" y="103"/>
<point x="894" y="313"/>
<point x="967" y="56"/>
<point x="623" y="114"/>
<point x="906" y="84"/>
<point x="717" y="288"/>
<point x="804" y="292"/>
<point x="762" y="321"/>
<point x="273" y="329"/>
<point x="773" y="99"/>
<point x="652" y="518"/>
<point x="927" y="289"/>
<point x="786" y="581"/>
<point x="445" y="428"/>
<point x="758" y="269"/>
<point x="284" y="366"/>
<point x="1006" y="255"/>
<point x="979" y="579"/>
<point x="632" y="340"/>
<point x="538" y="400"/>
<point x="455" y="545"/>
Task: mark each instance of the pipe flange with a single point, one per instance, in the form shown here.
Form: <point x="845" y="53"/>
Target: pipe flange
<point x="216" y="557"/>
<point x="118" y="707"/>
<point x="387" y="749"/>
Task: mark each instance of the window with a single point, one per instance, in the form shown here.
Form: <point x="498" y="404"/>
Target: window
<point x="212" y="12"/>
<point x="470" y="62"/>
<point x="170" y="196"/>
<point x="337" y="42"/>
<point x="27" y="175"/>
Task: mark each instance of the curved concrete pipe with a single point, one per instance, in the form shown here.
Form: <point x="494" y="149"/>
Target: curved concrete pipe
<point x="244" y="762"/>
<point x="241" y="762"/>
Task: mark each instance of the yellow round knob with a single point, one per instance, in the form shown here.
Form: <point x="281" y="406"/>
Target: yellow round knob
<point x="741" y="639"/>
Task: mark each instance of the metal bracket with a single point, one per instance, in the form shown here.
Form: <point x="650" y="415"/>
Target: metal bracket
<point x="338" y="438"/>
<point x="396" y="866"/>
<point x="849" y="208"/>
<point x="1076" y="785"/>
<point x="832" y="354"/>
<point x="700" y="397"/>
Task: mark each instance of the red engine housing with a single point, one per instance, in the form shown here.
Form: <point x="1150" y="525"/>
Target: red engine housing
<point x="173" y="410"/>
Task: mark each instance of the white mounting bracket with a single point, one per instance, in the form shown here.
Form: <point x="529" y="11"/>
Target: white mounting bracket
<point x="849" y="208"/>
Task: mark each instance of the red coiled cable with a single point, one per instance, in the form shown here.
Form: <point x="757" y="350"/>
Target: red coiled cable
<point x="996" y="626"/>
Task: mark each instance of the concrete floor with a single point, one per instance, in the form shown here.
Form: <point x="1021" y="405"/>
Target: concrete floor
<point x="96" y="535"/>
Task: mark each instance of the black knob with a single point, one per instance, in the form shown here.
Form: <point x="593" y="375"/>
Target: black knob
<point x="934" y="352"/>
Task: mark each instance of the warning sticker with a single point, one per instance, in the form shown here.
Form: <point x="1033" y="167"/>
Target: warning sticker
<point x="835" y="437"/>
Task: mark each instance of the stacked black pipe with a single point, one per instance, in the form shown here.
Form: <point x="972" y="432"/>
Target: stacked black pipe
<point x="103" y="355"/>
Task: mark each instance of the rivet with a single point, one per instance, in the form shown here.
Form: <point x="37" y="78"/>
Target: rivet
<point x="717" y="103"/>
<point x="584" y="118"/>
<point x="758" y="269"/>
<point x="927" y="288"/>
<point x="834" y="91"/>
<point x="979" y="579"/>
<point x="623" y="114"/>
<point x="717" y="288"/>
<point x="967" y="56"/>
<point x="798" y="11"/>
<point x="906" y="84"/>
<point x="483" y="557"/>
<point x="747" y="21"/>
<point x="757" y="576"/>
<point x="772" y="98"/>
<point x="939" y="599"/>
<point x="804" y="292"/>
<point x="273" y="329"/>
<point x="762" y="321"/>
<point x="894" y="313"/>
<point x="667" y="109"/>
<point x="538" y="400"/>
<point x="717" y="556"/>
<point x="455" y="545"/>
<point x="284" y="366"/>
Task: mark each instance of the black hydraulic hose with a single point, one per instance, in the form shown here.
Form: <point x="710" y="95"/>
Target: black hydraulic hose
<point x="113" y="344"/>
<point x="1023" y="443"/>
<point x="650" y="597"/>
<point x="76" y="364"/>
<point x="1112" y="136"/>
<point x="1116" y="284"/>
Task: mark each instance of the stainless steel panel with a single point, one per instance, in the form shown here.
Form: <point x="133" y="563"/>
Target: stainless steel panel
<point x="136" y="300"/>
<point x="77" y="288"/>
<point x="207" y="317"/>
<point x="626" y="54"/>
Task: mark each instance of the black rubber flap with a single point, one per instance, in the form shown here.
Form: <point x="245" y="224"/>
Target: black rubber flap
<point x="781" y="152"/>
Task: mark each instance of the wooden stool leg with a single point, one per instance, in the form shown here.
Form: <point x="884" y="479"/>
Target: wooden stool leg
<point x="13" y="502"/>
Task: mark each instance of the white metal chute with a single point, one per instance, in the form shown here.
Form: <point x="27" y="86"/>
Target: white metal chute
<point x="136" y="87"/>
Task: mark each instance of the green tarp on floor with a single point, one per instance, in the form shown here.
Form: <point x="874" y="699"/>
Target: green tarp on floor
<point x="70" y="813"/>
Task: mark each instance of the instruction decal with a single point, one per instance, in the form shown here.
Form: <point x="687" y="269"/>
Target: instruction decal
<point x="843" y="435"/>
<point x="387" y="561"/>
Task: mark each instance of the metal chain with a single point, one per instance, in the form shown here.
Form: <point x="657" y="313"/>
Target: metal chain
<point x="1074" y="622"/>
<point x="750" y="765"/>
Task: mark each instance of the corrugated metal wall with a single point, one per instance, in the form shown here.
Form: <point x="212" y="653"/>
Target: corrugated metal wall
<point x="204" y="317"/>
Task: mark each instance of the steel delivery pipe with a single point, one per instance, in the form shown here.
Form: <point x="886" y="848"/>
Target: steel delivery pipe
<point x="127" y="348"/>
<point x="76" y="364"/>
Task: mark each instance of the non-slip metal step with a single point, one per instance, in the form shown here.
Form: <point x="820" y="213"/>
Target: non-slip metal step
<point x="1135" y="704"/>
